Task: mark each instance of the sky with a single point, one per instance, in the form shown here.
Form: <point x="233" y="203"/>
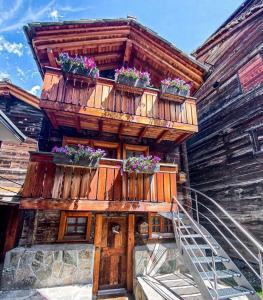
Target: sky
<point x="186" y="23"/>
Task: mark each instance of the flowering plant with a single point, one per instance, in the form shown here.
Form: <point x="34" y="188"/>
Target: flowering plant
<point x="75" y="154"/>
<point x="141" y="164"/>
<point x="127" y="72"/>
<point x="78" y="65"/>
<point x="178" y="83"/>
<point x="133" y="74"/>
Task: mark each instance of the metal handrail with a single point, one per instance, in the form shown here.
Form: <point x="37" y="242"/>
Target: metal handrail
<point x="238" y="225"/>
<point x="196" y="227"/>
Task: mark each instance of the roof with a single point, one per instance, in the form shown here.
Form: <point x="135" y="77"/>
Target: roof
<point x="248" y="9"/>
<point x="9" y="131"/>
<point x="8" y="89"/>
<point x="118" y="37"/>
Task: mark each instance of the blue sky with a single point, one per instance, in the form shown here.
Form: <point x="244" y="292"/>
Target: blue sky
<point x="186" y="23"/>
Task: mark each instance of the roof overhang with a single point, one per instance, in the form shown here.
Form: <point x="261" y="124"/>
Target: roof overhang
<point x="113" y="43"/>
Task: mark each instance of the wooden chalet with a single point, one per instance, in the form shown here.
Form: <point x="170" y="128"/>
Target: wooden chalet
<point x="21" y="122"/>
<point x="225" y="157"/>
<point x="69" y="207"/>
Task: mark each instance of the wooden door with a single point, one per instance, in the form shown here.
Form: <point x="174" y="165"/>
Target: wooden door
<point x="113" y="259"/>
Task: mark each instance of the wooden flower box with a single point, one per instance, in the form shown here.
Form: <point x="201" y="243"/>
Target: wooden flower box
<point x="151" y="171"/>
<point x="130" y="85"/>
<point x="79" y="80"/>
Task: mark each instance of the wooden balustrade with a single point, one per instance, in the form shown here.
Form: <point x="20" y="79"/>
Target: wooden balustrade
<point x="45" y="180"/>
<point x="105" y="101"/>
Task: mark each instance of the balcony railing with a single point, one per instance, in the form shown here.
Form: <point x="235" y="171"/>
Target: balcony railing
<point x="45" y="180"/>
<point x="106" y="107"/>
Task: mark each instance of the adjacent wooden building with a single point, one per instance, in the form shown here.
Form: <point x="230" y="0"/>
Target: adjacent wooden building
<point x="226" y="156"/>
<point x="21" y="111"/>
<point x="123" y="123"/>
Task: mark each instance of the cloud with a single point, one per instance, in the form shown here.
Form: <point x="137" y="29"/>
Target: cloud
<point x="54" y="15"/>
<point x="35" y="90"/>
<point x="15" y="48"/>
<point x="30" y="15"/>
<point x="4" y="75"/>
<point x="20" y="74"/>
<point x="12" y="9"/>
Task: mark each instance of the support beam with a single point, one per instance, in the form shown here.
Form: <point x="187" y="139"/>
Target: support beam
<point x="120" y="130"/>
<point x="142" y="133"/>
<point x="131" y="224"/>
<point x="51" y="58"/>
<point x="182" y="137"/>
<point x="78" y="126"/>
<point x="162" y="136"/>
<point x="97" y="244"/>
<point x="127" y="53"/>
<point x="53" y="119"/>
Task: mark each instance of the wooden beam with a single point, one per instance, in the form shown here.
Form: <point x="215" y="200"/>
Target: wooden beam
<point x="182" y="138"/>
<point x="95" y="205"/>
<point x="78" y="125"/>
<point x="162" y="136"/>
<point x="142" y="133"/>
<point x="127" y="53"/>
<point x="130" y="247"/>
<point x="120" y="130"/>
<point x="97" y="244"/>
<point x="100" y="126"/>
<point x="51" y="58"/>
<point x="53" y="119"/>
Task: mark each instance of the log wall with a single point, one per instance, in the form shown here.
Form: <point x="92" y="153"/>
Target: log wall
<point x="224" y="161"/>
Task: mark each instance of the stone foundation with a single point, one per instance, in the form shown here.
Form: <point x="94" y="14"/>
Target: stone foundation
<point x="42" y="266"/>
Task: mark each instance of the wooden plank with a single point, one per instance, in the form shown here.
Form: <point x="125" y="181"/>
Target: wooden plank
<point x="67" y="182"/>
<point x="93" y="185"/>
<point x="56" y="191"/>
<point x="102" y="183"/>
<point x="160" y="187"/>
<point x="95" y="205"/>
<point x="146" y="187"/>
<point x="109" y="184"/>
<point x="75" y="185"/>
<point x="140" y="187"/>
<point x="49" y="180"/>
<point x="97" y="244"/>
<point x="98" y="97"/>
<point x="117" y="186"/>
<point x="62" y="226"/>
<point x="85" y="184"/>
<point x="167" y="187"/>
<point x="130" y="247"/>
<point x="144" y="105"/>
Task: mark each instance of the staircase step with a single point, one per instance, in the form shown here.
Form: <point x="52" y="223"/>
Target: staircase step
<point x="198" y="247"/>
<point x="186" y="227"/>
<point x="194" y="235"/>
<point x="232" y="292"/>
<point x="220" y="274"/>
<point x="208" y="259"/>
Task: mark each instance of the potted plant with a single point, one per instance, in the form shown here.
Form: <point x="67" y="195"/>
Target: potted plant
<point x="141" y="164"/>
<point x="126" y="76"/>
<point x="80" y="155"/>
<point x="144" y="80"/>
<point x="175" y="87"/>
<point x="132" y="77"/>
<point x="84" y="66"/>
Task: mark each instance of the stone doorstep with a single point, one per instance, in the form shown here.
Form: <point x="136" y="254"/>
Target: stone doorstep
<point x="71" y="292"/>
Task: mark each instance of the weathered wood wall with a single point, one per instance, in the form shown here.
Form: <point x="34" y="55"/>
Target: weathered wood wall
<point x="223" y="162"/>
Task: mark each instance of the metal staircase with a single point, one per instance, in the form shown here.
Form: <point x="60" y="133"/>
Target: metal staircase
<point x="214" y="272"/>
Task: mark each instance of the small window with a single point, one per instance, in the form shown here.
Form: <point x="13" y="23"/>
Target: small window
<point x="75" y="226"/>
<point x="254" y="138"/>
<point x="111" y="149"/>
<point x="159" y="227"/>
<point x="134" y="150"/>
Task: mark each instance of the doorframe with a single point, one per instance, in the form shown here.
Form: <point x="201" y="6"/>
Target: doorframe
<point x="97" y="255"/>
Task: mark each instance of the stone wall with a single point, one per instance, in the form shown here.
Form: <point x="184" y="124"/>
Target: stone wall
<point x="48" y="266"/>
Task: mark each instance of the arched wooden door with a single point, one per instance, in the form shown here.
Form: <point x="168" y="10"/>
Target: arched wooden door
<point x="113" y="258"/>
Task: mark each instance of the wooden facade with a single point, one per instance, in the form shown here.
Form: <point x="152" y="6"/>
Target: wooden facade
<point x="105" y="206"/>
<point x="225" y="157"/>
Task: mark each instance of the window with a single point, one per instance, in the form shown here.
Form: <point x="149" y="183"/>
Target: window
<point x="134" y="150"/>
<point x="159" y="227"/>
<point x="112" y="149"/>
<point x="256" y="138"/>
<point x="75" y="226"/>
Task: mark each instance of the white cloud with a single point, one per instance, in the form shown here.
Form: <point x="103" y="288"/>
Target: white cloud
<point x="12" y="9"/>
<point x="4" y="75"/>
<point x="54" y="15"/>
<point x="35" y="90"/>
<point x="15" y="48"/>
<point x="20" y="74"/>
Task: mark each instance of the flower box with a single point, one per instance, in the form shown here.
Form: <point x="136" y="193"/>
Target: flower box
<point x="141" y="165"/>
<point x="61" y="159"/>
<point x="79" y="156"/>
<point x="131" y="80"/>
<point x="79" y="69"/>
<point x="174" y="90"/>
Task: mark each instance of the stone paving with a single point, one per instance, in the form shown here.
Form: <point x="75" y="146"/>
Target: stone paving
<point x="74" y="292"/>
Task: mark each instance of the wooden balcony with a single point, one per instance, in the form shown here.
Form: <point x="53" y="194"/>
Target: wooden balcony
<point x="103" y="107"/>
<point x="49" y="186"/>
